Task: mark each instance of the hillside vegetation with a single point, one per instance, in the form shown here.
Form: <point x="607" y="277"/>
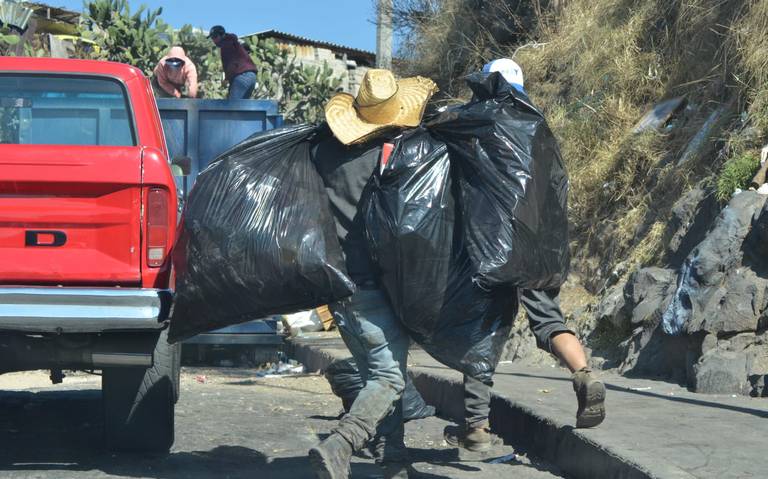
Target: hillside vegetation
<point x="595" y="67"/>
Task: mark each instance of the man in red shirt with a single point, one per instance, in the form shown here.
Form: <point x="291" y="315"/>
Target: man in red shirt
<point x="239" y="69"/>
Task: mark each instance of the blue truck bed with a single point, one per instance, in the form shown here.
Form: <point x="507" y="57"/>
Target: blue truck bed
<point x="201" y="130"/>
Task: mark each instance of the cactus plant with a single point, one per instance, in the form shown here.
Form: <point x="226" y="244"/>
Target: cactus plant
<point x="141" y="38"/>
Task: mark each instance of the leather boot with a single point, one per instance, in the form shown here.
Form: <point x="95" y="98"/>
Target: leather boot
<point x="475" y="437"/>
<point x="330" y="459"/>
<point x="590" y="394"/>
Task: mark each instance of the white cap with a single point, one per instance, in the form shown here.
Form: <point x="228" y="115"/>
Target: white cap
<point x="509" y="69"/>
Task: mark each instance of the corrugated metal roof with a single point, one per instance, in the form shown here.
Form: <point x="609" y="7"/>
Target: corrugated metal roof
<point x="318" y="43"/>
<point x="57" y="13"/>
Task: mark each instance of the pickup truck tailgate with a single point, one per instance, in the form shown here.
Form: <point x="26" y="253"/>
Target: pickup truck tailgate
<point x="70" y="215"/>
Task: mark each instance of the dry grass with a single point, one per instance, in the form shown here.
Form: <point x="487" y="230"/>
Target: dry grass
<point x="596" y="67"/>
<point x="749" y="35"/>
<point x="603" y="65"/>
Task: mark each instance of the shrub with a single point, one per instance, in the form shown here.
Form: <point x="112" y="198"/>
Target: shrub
<point x="736" y="174"/>
<point x="137" y="38"/>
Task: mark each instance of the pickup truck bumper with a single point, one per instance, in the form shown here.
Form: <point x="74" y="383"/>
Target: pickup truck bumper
<point x="82" y="310"/>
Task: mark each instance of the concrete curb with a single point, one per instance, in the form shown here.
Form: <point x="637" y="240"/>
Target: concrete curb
<point x="576" y="455"/>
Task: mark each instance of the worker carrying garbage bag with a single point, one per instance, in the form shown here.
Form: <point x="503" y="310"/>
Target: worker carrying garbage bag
<point x="257" y="237"/>
<point x="414" y="227"/>
<point x="362" y="126"/>
<point x="512" y="186"/>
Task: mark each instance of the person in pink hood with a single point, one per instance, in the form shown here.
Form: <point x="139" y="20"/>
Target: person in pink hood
<point x="173" y="73"/>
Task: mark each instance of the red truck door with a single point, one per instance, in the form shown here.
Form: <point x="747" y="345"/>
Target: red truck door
<point x="70" y="181"/>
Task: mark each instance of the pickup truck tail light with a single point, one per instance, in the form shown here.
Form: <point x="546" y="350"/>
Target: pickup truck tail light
<point x="157" y="226"/>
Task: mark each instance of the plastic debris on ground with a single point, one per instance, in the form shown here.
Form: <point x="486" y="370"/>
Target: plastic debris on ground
<point x="281" y="369"/>
<point x="512" y="186"/>
<point x="415" y="235"/>
<point x="513" y="457"/>
<point x="257" y="237"/>
<point x="303" y="322"/>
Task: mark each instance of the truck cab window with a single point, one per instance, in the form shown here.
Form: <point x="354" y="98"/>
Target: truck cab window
<point x="64" y="110"/>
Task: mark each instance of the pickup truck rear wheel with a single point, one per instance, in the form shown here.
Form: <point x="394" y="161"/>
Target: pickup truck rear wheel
<point x="139" y="403"/>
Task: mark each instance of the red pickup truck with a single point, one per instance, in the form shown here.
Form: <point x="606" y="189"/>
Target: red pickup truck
<point x="87" y="221"/>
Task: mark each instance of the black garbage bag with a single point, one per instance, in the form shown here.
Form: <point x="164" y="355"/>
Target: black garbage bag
<point x="346" y="383"/>
<point x="415" y="233"/>
<point x="513" y="186"/>
<point x="257" y="237"/>
<point x="414" y="406"/>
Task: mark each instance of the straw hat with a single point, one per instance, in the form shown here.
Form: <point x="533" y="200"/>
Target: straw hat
<point x="381" y="103"/>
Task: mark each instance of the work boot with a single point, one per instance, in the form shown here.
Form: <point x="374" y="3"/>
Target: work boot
<point x="330" y="459"/>
<point x="395" y="470"/>
<point x="475" y="437"/>
<point x="590" y="393"/>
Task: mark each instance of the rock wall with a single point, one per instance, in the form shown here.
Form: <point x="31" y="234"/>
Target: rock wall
<point x="705" y="323"/>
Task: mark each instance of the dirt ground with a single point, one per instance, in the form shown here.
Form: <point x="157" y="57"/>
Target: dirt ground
<point x="230" y="423"/>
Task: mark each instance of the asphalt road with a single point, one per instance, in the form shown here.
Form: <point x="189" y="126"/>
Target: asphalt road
<point x="229" y="424"/>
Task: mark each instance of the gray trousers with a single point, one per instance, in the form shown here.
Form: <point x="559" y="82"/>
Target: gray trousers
<point x="545" y="320"/>
<point x="379" y="345"/>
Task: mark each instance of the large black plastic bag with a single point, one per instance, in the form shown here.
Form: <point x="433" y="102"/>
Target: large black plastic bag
<point x="513" y="186"/>
<point x="414" y="230"/>
<point x="346" y="383"/>
<point x="257" y="237"/>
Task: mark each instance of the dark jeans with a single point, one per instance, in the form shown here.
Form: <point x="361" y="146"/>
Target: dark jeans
<point x="242" y="86"/>
<point x="545" y="320"/>
<point x="379" y="345"/>
<point x="477" y="400"/>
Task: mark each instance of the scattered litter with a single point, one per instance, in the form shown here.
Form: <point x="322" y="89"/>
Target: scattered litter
<point x="678" y="312"/>
<point x="303" y="322"/>
<point x="544" y="391"/>
<point x="707" y="130"/>
<point x="281" y="369"/>
<point x="648" y="388"/>
<point x="763" y="190"/>
<point x="510" y="459"/>
<point x="659" y="115"/>
<point x="505" y="362"/>
<point x="504" y="459"/>
<point x="202" y="379"/>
